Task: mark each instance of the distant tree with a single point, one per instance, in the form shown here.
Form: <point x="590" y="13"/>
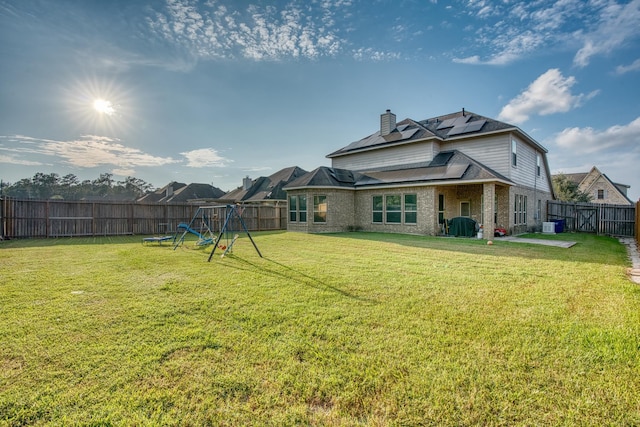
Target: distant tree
<point x="69" y="180"/>
<point x="135" y="186"/>
<point x="69" y="187"/>
<point x="567" y="190"/>
<point x="22" y="189"/>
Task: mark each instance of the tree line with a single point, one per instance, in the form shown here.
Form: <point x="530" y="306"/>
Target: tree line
<point x="68" y="187"/>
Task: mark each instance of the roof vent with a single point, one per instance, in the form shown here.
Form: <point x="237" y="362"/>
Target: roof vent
<point x="387" y="123"/>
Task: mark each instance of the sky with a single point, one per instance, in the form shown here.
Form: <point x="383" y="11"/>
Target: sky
<point x="213" y="91"/>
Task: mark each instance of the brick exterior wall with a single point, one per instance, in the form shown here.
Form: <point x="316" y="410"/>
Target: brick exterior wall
<point x="532" y="224"/>
<point x="340" y="211"/>
<point x="427" y="215"/>
<point x="350" y="210"/>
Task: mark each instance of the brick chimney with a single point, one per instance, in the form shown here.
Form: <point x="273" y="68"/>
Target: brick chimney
<point x="387" y="123"/>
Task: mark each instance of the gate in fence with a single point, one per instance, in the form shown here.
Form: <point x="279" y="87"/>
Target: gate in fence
<point x="613" y="220"/>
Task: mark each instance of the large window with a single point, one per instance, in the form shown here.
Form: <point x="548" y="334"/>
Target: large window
<point x="520" y="210"/>
<point x="293" y="208"/>
<point x="302" y="208"/>
<point x="410" y="208"/>
<point x="514" y="153"/>
<point x="378" y="209"/>
<point x="538" y="161"/>
<point x="393" y="205"/>
<point x="319" y="208"/>
<point x="394" y="209"/>
<point x="298" y="208"/>
<point x="440" y="208"/>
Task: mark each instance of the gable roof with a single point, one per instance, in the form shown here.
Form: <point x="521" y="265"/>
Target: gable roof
<point x="446" y="166"/>
<point x="195" y="191"/>
<point x="588" y="185"/>
<point x="177" y="192"/>
<point x="458" y="125"/>
<point x="266" y="188"/>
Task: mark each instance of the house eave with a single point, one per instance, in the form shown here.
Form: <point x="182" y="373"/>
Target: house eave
<point x="439" y="183"/>
<point x="385" y="145"/>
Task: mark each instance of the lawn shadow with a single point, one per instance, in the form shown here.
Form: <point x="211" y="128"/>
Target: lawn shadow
<point x="290" y="273"/>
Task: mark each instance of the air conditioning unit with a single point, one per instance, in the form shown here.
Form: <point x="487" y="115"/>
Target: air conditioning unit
<point x="549" y="227"/>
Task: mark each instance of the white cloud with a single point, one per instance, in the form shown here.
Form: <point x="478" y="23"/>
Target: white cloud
<point x="13" y="160"/>
<point x="204" y="157"/>
<point x="618" y="24"/>
<point x="589" y="140"/>
<point x="87" y="151"/>
<point x="623" y="69"/>
<point x="548" y="94"/>
<point x="513" y="30"/>
<point x="256" y="32"/>
<point x="374" y="55"/>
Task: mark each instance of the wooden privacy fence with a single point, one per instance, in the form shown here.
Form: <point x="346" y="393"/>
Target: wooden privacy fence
<point x="612" y="220"/>
<point x="20" y="218"/>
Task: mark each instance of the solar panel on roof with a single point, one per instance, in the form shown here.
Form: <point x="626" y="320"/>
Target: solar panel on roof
<point x="474" y="126"/>
<point x="466" y="128"/>
<point x="441" y="159"/>
<point x="456" y="121"/>
<point x="446" y="124"/>
<point x="341" y="175"/>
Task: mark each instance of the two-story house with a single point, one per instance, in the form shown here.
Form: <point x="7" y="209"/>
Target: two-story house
<point x="412" y="176"/>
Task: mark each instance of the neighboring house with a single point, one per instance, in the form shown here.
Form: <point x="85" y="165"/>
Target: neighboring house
<point x="600" y="187"/>
<point x="412" y="176"/>
<point x="265" y="190"/>
<point x="177" y="192"/>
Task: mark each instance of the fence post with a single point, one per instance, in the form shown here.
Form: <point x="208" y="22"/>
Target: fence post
<point x="2" y="215"/>
<point x="638" y="222"/>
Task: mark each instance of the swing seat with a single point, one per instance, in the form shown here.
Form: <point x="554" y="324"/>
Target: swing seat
<point x="158" y="240"/>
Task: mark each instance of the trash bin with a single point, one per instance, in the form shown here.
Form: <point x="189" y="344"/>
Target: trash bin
<point x="559" y="225"/>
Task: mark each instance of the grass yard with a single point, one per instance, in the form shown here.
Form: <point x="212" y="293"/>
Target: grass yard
<point x="354" y="329"/>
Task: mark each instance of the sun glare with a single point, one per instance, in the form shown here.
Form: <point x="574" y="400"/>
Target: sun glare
<point x="103" y="107"/>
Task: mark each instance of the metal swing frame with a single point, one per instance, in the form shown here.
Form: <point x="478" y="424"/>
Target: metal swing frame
<point x="231" y="211"/>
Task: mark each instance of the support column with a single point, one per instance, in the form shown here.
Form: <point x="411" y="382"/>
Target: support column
<point x="489" y="196"/>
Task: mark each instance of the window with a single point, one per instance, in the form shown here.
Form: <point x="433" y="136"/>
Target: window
<point x="302" y="208"/>
<point x="410" y="208"/>
<point x="393" y="208"/>
<point x="298" y="208"/>
<point x="319" y="208"/>
<point x="600" y="195"/>
<point x="520" y="210"/>
<point x="465" y="209"/>
<point x="538" y="165"/>
<point x="539" y="210"/>
<point x="440" y="208"/>
<point x="514" y="153"/>
<point x="377" y="209"/>
<point x="293" y="208"/>
<point x="393" y="205"/>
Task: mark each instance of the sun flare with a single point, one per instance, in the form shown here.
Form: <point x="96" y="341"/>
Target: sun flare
<point x="103" y="106"/>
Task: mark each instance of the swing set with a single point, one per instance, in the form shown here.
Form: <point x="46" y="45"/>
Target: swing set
<point x="232" y="212"/>
<point x="207" y="217"/>
<point x="204" y="219"/>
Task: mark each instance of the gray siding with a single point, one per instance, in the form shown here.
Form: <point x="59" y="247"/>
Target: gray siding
<point x="525" y="172"/>
<point x="493" y="151"/>
<point x="392" y="156"/>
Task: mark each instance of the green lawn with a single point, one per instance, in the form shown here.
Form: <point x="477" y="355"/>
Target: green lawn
<point x="343" y="329"/>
